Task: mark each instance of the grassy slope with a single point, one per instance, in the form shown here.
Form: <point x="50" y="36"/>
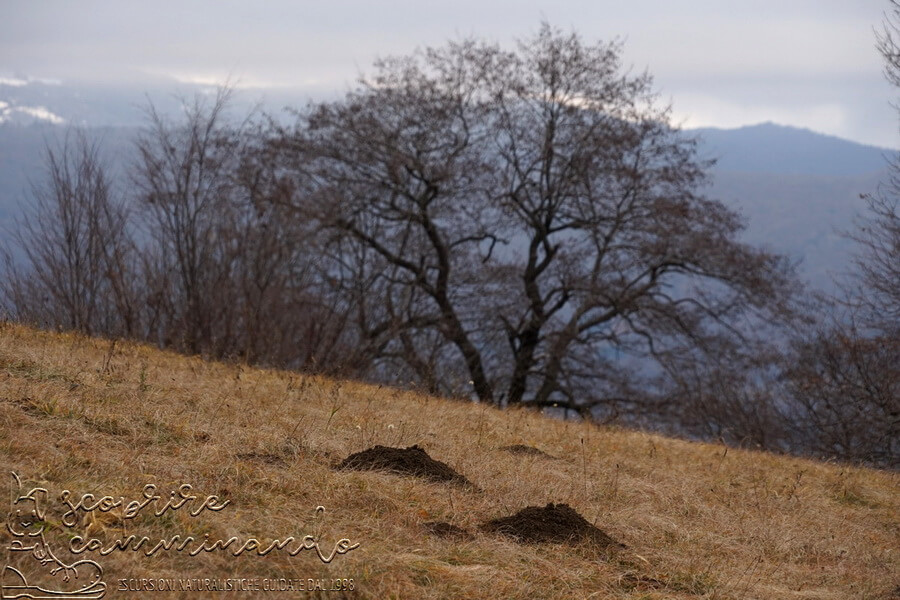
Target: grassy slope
<point x="699" y="522"/>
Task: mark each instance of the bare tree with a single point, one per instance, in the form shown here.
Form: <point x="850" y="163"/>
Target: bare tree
<point x="877" y="260"/>
<point x="878" y="233"/>
<point x="888" y="43"/>
<point x="184" y="186"/>
<point x="76" y="246"/>
<point x="533" y="223"/>
<point x="392" y="172"/>
<point x="287" y="312"/>
<point x="228" y="274"/>
<point x="625" y="255"/>
<point x="840" y="386"/>
<point x="843" y="381"/>
<point x="845" y="385"/>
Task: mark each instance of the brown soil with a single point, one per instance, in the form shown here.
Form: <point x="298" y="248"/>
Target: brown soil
<point x="442" y="529"/>
<point x="404" y="461"/>
<point x="554" y="523"/>
<point x="526" y="450"/>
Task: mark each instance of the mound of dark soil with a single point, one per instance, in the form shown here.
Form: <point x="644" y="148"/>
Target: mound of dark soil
<point x="447" y="530"/>
<point x="405" y="461"/>
<point x="526" y="450"/>
<point x="557" y="524"/>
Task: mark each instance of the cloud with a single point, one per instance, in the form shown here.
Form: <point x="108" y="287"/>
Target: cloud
<point x="13" y="82"/>
<point x="806" y="55"/>
<point x="709" y="111"/>
<point x="40" y="112"/>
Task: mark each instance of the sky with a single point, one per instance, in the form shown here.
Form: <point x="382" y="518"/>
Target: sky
<point x="721" y="63"/>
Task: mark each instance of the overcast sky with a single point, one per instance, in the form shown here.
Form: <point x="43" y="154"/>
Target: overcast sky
<point x="725" y="63"/>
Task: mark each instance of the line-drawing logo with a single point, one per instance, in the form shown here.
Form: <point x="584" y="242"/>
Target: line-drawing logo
<point x="83" y="579"/>
<point x="26" y="523"/>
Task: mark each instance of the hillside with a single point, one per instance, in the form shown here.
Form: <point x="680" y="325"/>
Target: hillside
<point x="697" y="520"/>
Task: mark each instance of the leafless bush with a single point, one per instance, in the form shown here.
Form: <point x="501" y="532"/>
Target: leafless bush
<point x="76" y="247"/>
<point x="845" y="387"/>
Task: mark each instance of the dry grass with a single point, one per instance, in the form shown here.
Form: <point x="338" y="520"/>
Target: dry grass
<point x="699" y="521"/>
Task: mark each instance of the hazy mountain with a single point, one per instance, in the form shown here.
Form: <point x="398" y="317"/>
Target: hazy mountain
<point x="800" y="215"/>
<point x="782" y="150"/>
<point x="25" y="101"/>
<point x="34" y="113"/>
<point x="797" y="188"/>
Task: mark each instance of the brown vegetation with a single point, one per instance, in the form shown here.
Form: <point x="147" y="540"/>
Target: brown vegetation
<point x="699" y="520"/>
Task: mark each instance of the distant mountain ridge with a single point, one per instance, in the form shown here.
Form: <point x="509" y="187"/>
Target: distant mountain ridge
<point x="785" y="150"/>
<point x="26" y="101"/>
<point x="797" y="188"/>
